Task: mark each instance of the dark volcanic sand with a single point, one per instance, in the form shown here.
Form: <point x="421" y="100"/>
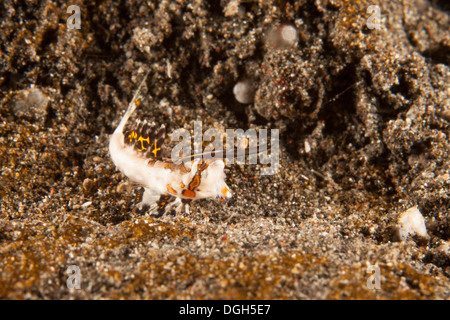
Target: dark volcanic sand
<point x="372" y="105"/>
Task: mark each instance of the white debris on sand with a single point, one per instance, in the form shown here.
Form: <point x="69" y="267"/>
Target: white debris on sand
<point x="31" y="102"/>
<point x="244" y="91"/>
<point x="289" y="34"/>
<point x="410" y="223"/>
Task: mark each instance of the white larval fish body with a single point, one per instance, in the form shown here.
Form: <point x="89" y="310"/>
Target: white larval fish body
<point x="137" y="154"/>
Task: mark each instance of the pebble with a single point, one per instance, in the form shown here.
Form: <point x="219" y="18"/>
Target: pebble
<point x="289" y="34"/>
<point x="411" y="222"/>
<point x="31" y="102"/>
<point x="282" y="37"/>
<point x="88" y="185"/>
<point x="445" y="247"/>
<point x="244" y="91"/>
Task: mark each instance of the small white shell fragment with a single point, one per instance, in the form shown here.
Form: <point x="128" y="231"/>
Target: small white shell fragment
<point x="282" y="36"/>
<point x="411" y="222"/>
<point x="289" y="34"/>
<point x="244" y="91"/>
<point x="307" y="147"/>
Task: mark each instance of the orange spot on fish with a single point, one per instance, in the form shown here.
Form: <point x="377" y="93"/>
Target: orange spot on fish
<point x="188" y="193"/>
<point x="225" y="191"/>
<point x="195" y="182"/>
<point x="171" y="190"/>
<point x="155" y="151"/>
